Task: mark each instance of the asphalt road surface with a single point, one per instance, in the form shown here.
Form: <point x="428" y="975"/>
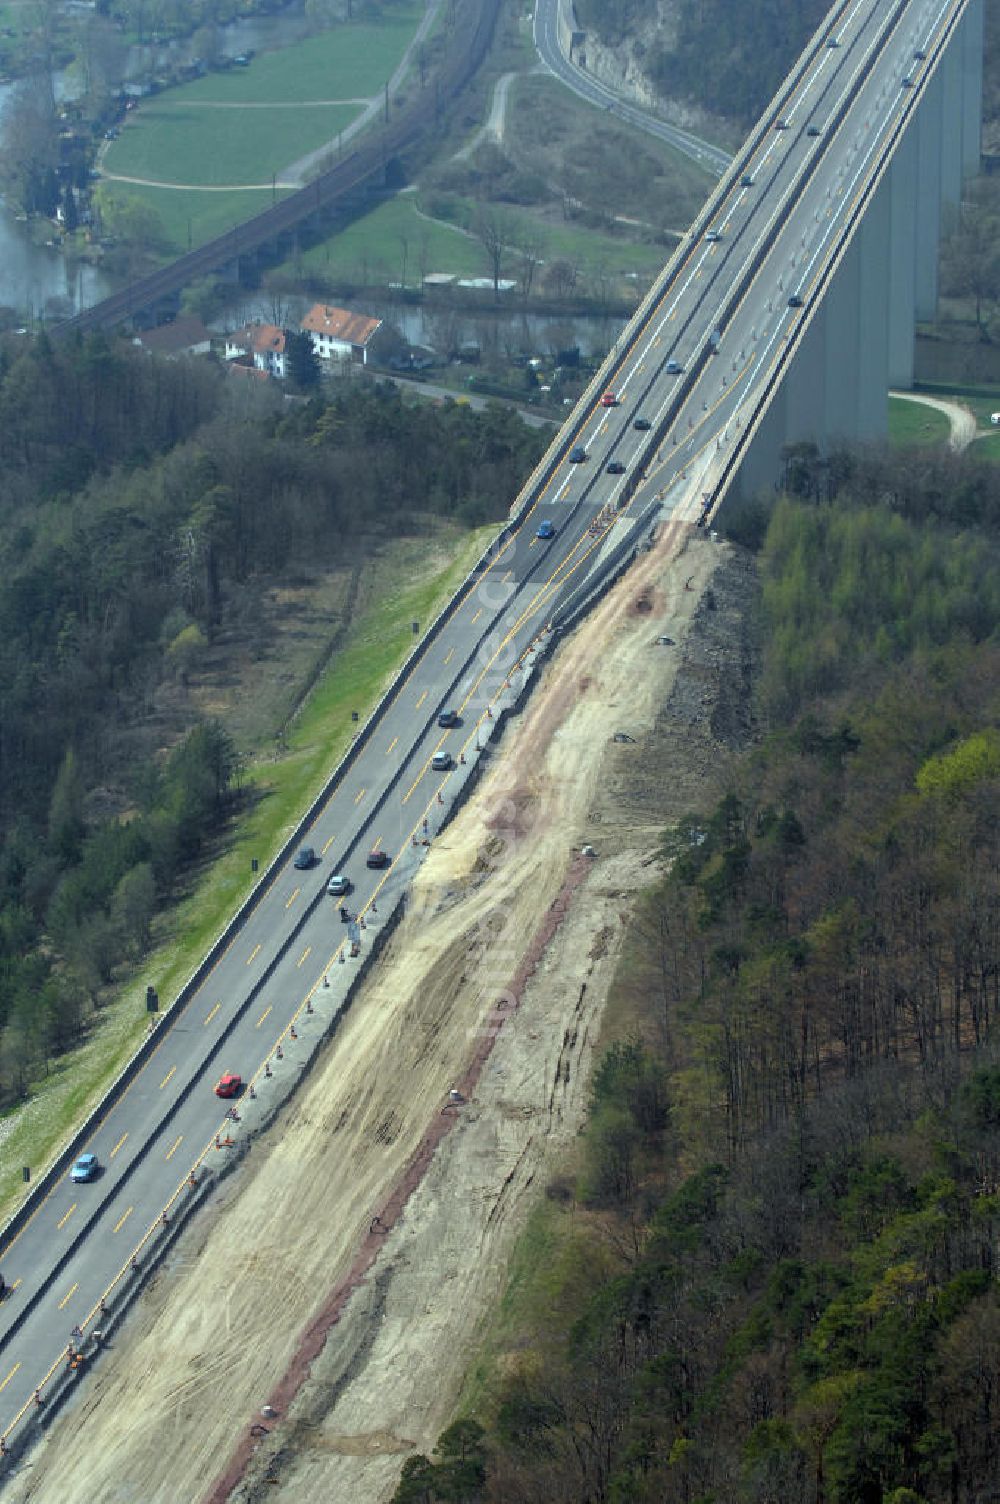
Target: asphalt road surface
<point x="776" y="233"/>
<point x="712" y="158"/>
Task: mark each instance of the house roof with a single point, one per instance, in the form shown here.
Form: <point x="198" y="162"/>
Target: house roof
<point x="173" y="339"/>
<point x="340" y="323"/>
<point x="266" y="337"/>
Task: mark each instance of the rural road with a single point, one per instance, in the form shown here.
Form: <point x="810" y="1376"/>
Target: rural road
<point x="961" y="421"/>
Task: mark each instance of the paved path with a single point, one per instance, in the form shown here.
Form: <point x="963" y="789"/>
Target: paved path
<point x="961" y="421"/>
<point x="494" y="127"/>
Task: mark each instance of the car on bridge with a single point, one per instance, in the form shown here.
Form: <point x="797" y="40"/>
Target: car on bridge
<point x="545" y="530"/>
<point x="713" y="235"/>
<point x="674" y="368"/>
<point x="449" y="718"/>
<point x="305" y="857"/>
<point x="615" y="467"/>
<point x="229" y="1085"/>
<point x="609" y="399"/>
<point x="377" y="858"/>
<point x="442" y="762"/>
<point x="577" y="454"/>
<point x="86" y="1168"/>
<point x="339" y="885"/>
<point x="746" y="181"/>
<point x="642" y="424"/>
<point x="795" y="301"/>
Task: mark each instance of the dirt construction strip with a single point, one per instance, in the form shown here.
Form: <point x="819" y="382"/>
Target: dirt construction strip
<point x="282" y="1293"/>
<point x="384" y="1221"/>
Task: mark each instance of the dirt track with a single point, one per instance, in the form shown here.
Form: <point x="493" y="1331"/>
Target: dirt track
<point x="219" y="1329"/>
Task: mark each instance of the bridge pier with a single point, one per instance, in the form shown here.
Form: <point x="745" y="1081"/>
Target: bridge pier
<point x="929" y="127"/>
<point x="972" y="87"/>
<point x="872" y="391"/>
<point x="903" y="281"/>
<point x="842" y="341"/>
<point x="861" y="340"/>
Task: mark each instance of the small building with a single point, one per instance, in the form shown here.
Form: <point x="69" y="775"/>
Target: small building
<point x="262" y="345"/>
<point x="187" y="335"/>
<point x="338" y="334"/>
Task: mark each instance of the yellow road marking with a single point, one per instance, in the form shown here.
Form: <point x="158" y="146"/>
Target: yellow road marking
<point x="477" y="615"/>
<point x="294" y="896"/>
<point x="69" y="1293"/>
<point x="15" y="1284"/>
<point x="451" y="654"/>
<point x="174" y="1146"/>
<point x="422" y="699"/>
<point x="329" y="843"/>
<point x="263" y="1015"/>
<point x="122" y="1220"/>
<point x="214" y="1011"/>
<point x="167" y="1076"/>
<point x="391" y="745"/>
<point x="118" y="1146"/>
<point x="359" y="796"/>
<point x="252" y="954"/>
<point x="506" y="577"/>
<point x="9" y="1376"/>
<point x="377" y="844"/>
<point x="306" y="952"/>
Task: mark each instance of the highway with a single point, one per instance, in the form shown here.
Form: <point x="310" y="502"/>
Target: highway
<point x="691" y="366"/>
<point x="712" y="158"/>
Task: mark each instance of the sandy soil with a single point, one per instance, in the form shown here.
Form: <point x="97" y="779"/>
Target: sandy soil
<point x="220" y="1326"/>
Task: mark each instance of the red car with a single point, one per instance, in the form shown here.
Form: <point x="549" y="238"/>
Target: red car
<point x="377" y="858"/>
<point x="609" y="400"/>
<point x="229" y="1086"/>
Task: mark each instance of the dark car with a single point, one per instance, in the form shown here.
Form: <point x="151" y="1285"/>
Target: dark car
<point x="781" y="125"/>
<point x="229" y="1085"/>
<point x="577" y="454"/>
<point x="642" y="424"/>
<point x="795" y="301"/>
<point x="449" y="718"/>
<point x="86" y="1168"/>
<point x="814" y="130"/>
<point x="304" y="858"/>
<point x="377" y="858"/>
<point x="746" y="181"/>
<point x="615" y="467"/>
<point x="545" y="530"/>
<point x="673" y="368"/>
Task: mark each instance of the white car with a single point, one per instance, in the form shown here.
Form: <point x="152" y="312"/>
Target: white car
<point x="995" y="419"/>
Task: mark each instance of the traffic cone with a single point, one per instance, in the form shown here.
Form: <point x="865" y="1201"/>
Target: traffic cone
<point x="267" y="1069"/>
<point x="292" y="1033"/>
<point x="340" y="958"/>
<point x="280" y="1053"/>
<point x="309" y="1006"/>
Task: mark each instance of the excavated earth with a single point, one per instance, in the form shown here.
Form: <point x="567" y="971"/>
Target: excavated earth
<point x="285" y="1293"/>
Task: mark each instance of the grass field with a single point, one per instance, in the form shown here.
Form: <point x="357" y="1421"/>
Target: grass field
<point x="290" y="109"/>
<point x="371" y="249"/>
<point x="988" y="448"/>
<point x="169" y="142"/>
<point x="912" y="423"/>
<point x="408" y="583"/>
<point x="208" y="214"/>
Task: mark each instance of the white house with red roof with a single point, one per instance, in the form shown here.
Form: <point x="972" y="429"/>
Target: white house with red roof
<point x="339" y="334"/>
<point x="262" y="345"/>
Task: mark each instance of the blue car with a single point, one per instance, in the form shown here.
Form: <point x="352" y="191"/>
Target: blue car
<point x="86" y="1168"/>
<point x="545" y="530"/>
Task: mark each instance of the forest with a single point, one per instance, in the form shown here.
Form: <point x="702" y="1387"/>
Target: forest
<point x="144" y="506"/>
<point x="769" y="1276"/>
